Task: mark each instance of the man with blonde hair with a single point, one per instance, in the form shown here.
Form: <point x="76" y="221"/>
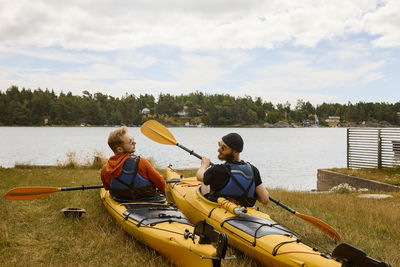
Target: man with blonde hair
<point x="127" y="176"/>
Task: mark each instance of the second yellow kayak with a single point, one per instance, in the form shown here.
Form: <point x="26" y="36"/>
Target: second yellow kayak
<point x="254" y="233"/>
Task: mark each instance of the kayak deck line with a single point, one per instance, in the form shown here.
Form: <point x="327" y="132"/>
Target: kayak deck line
<point x="279" y="230"/>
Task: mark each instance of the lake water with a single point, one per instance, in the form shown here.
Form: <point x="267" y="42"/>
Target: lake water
<point x="286" y="157"/>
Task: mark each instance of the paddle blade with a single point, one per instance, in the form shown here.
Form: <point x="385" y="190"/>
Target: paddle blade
<point x="158" y="133"/>
<point x="321" y="226"/>
<point x="27" y="193"/>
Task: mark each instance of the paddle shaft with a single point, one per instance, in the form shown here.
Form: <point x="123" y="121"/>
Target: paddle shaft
<point x="277" y="202"/>
<point x="81" y="187"/>
<point x="191" y="152"/>
<point x="28" y="193"/>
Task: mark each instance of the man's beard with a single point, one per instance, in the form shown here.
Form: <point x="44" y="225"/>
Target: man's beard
<point x="228" y="157"/>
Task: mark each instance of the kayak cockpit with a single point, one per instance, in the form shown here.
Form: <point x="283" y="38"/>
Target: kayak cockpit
<point x="152" y="214"/>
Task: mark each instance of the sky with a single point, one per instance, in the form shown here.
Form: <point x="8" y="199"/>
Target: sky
<point x="313" y="50"/>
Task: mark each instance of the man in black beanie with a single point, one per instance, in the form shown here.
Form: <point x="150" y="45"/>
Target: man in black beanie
<point x="235" y="179"/>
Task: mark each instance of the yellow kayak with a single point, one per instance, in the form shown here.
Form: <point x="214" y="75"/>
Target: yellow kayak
<point x="254" y="232"/>
<point x="164" y="228"/>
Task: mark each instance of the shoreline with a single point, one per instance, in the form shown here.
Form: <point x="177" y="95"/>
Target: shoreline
<point x="271" y="126"/>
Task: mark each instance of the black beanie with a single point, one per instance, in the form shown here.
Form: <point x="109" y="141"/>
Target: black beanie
<point x="234" y="141"/>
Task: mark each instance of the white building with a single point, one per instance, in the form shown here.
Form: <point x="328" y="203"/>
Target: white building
<point x="145" y="111"/>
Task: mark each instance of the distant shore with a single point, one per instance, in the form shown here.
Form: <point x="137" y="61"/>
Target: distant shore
<point x="280" y="124"/>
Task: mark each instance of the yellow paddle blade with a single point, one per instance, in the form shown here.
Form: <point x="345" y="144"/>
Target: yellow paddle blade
<point x="158" y="133"/>
<point x="27" y="193"/>
<point x="320" y="225"/>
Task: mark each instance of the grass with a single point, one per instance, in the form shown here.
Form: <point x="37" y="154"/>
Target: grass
<point x="384" y="175"/>
<point x="35" y="233"/>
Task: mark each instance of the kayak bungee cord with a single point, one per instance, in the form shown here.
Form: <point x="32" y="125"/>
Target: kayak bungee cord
<point x="277" y="247"/>
<point x="271" y="225"/>
<point x="165" y="216"/>
<point x="308" y="242"/>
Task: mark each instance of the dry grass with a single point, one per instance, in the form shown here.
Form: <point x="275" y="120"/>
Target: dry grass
<point x="371" y="225"/>
<point x="71" y="162"/>
<point x="35" y="233"/>
<point x="384" y="175"/>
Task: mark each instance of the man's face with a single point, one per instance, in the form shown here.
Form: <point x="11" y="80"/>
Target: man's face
<point x="129" y="144"/>
<point x="225" y="152"/>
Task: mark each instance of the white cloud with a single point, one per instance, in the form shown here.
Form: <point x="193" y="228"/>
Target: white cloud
<point x="200" y="71"/>
<point x="51" y="54"/>
<point x="134" y="59"/>
<point x="280" y="97"/>
<point x="191" y="24"/>
<point x="97" y="72"/>
<point x="299" y="76"/>
<point x="197" y="71"/>
<point x="385" y="23"/>
<point x="91" y="79"/>
<point x="302" y="76"/>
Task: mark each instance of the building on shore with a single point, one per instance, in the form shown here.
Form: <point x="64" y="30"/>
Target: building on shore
<point x="333" y="121"/>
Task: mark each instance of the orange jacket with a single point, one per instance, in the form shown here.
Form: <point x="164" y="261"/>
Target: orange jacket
<point x="113" y="169"/>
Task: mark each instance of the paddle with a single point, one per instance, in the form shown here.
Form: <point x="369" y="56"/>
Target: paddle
<point x="27" y="193"/>
<point x="160" y="134"/>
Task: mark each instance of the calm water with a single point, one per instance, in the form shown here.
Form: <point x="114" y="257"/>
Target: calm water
<point x="287" y="158"/>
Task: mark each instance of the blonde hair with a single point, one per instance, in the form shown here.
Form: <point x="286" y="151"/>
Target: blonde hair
<point x="115" y="137"/>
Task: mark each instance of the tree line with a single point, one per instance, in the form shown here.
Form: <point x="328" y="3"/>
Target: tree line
<point x="26" y="107"/>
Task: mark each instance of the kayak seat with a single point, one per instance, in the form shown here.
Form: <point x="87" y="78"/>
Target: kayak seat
<point x="257" y="227"/>
<point x="152" y="214"/>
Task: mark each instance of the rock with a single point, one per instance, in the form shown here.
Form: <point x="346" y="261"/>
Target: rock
<point x="282" y="124"/>
<point x="376" y="196"/>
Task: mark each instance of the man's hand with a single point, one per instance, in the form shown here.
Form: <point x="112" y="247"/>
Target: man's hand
<point x="205" y="162"/>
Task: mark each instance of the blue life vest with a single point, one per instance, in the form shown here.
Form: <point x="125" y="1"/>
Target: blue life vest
<point x="130" y="185"/>
<point x="241" y="185"/>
